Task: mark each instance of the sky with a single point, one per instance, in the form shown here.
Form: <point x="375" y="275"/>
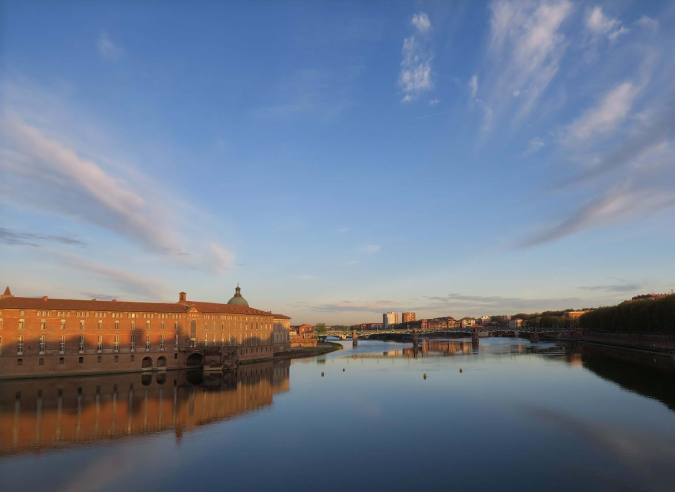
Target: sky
<point x="339" y="159"/>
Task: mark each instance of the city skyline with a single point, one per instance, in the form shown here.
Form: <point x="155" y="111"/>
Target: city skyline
<point x="343" y="160"/>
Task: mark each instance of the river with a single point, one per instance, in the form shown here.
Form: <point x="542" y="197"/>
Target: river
<point x="503" y="415"/>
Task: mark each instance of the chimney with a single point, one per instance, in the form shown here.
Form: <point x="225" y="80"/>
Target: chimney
<point x="182" y="297"/>
<point x="8" y="293"/>
<point x="45" y="298"/>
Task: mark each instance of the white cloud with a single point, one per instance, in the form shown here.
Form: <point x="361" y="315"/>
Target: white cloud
<point x="527" y="45"/>
<point x="370" y="249"/>
<point x="473" y="86"/>
<point x="415" y="75"/>
<point x="106" y="48"/>
<point x="611" y="110"/>
<point x="601" y="25"/>
<point x="434" y="102"/>
<point x="421" y="22"/>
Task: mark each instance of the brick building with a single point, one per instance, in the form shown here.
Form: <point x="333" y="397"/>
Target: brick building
<point x="408" y="316"/>
<point x="281" y="334"/>
<point x="43" y="336"/>
<point x="303" y="336"/>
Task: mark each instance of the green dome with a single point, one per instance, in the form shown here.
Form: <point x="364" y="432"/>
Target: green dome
<point x="238" y="300"/>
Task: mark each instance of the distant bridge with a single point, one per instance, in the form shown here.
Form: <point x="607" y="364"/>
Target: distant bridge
<point x="473" y="332"/>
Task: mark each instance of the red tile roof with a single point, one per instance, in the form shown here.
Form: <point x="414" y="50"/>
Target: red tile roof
<point x="281" y="316"/>
<point x="123" y="306"/>
<point x="89" y="305"/>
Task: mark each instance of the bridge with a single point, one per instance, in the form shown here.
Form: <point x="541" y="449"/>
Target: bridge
<point x="474" y="332"/>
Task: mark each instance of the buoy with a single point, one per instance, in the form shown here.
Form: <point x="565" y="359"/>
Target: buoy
<point x="460" y="370"/>
<point x="321" y="373"/>
<point x="343" y="369"/>
<point x="425" y="375"/>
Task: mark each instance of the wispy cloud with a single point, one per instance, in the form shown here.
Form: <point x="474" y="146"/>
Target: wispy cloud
<point x="415" y="75"/>
<point x="526" y="45"/>
<point x="622" y="203"/>
<point x="622" y="286"/>
<point x="54" y="177"/>
<point x="601" y="25"/>
<point x="473" y="86"/>
<point x="106" y="48"/>
<point x="612" y="109"/>
<point x="648" y="22"/>
<point x="17" y="238"/>
<point x="434" y="102"/>
<point x="370" y="249"/>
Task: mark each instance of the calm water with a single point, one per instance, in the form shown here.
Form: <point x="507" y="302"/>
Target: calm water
<point x="504" y="415"/>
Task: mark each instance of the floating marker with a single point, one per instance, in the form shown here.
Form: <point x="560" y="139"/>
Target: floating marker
<point x="321" y="373"/>
<point x="343" y="369"/>
<point x="425" y="376"/>
<point x="460" y="370"/>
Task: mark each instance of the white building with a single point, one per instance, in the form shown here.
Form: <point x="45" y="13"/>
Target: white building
<point x="515" y="323"/>
<point x="389" y="318"/>
<point x="484" y="320"/>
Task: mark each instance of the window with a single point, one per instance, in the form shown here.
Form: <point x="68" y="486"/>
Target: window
<point x="41" y="361"/>
<point x="175" y="325"/>
<point x="80" y="360"/>
<point x="63" y="324"/>
<point x="81" y="345"/>
<point x="19" y="362"/>
<point x="62" y="344"/>
<point x="147" y="343"/>
<point x="162" y="325"/>
<point x="175" y="356"/>
<point x="99" y="347"/>
<point x="117" y="343"/>
<point x="82" y="325"/>
<point x="147" y="325"/>
<point x="176" y="341"/>
<point x="21" y="323"/>
<point x="98" y="359"/>
<point x="19" y="346"/>
<point x="133" y="358"/>
<point x="62" y="361"/>
<point x="117" y="325"/>
<point x="116" y="358"/>
<point x="161" y="343"/>
<point x="43" y="325"/>
<point x="100" y="324"/>
<point x="133" y="343"/>
<point x="133" y="325"/>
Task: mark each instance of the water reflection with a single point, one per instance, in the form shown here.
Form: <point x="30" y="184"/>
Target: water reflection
<point x="43" y="414"/>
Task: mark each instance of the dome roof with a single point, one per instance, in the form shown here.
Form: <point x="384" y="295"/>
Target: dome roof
<point x="238" y="300"/>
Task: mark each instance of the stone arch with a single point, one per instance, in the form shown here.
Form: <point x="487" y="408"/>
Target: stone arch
<point x="146" y="363"/>
<point x="194" y="360"/>
<point x="161" y="361"/>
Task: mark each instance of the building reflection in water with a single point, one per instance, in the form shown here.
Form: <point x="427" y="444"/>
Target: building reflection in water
<point x="43" y="414"/>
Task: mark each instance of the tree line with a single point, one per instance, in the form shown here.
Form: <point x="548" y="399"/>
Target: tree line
<point x="633" y="317"/>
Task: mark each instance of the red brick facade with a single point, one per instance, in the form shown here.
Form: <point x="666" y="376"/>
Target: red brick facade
<point x="46" y="337"/>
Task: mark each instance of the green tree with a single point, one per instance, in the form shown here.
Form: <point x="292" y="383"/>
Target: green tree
<point x="321" y="329"/>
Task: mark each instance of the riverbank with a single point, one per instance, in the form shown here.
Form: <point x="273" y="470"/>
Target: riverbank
<point x="301" y="352"/>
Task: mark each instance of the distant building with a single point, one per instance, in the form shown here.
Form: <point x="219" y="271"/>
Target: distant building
<point x="466" y="322"/>
<point x="484" y="320"/>
<point x="389" y="318"/>
<point x="408" y="316"/>
<point x="515" y="323"/>
<point x="303" y="336"/>
<point x="371" y="326"/>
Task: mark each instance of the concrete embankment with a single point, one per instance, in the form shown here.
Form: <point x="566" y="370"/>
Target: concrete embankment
<point x="300" y="352"/>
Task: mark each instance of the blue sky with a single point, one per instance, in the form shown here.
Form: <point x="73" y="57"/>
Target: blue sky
<point x="340" y="159"/>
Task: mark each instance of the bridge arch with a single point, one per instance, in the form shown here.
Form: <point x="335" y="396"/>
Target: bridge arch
<point x="194" y="360"/>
